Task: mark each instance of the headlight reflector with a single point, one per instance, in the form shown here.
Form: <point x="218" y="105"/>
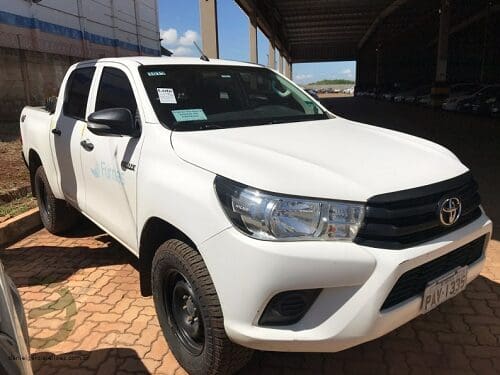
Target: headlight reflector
<point x="268" y="216"/>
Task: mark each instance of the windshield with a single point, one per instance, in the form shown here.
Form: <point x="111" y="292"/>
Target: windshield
<point x="195" y="97"/>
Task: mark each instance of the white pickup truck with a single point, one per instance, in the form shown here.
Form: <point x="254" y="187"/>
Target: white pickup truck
<point x="260" y="219"/>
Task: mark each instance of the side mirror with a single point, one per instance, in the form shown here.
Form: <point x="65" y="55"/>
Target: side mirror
<point x="113" y="121"/>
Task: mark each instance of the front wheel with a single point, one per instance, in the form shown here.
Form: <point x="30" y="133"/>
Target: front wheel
<point x="190" y="314"/>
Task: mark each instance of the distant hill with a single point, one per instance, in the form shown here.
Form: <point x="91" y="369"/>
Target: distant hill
<point x="333" y="82"/>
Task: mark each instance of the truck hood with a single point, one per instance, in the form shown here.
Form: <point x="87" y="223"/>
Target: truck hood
<point x="335" y="159"/>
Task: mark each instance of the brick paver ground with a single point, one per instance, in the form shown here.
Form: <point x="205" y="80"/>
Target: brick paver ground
<point x="86" y="316"/>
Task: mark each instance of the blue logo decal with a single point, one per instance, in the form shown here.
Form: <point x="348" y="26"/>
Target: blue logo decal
<point x="102" y="170"/>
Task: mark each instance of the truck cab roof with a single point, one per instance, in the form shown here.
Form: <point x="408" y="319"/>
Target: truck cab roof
<point x="148" y="60"/>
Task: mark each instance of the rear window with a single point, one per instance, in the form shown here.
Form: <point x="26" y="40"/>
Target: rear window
<point x="77" y="93"/>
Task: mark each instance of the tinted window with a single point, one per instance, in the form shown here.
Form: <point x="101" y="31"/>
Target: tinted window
<point x="77" y="92"/>
<point x="115" y="91"/>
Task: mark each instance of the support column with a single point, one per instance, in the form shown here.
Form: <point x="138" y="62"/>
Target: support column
<point x="378" y="51"/>
<point x="441" y="89"/>
<point x="280" y="62"/>
<point x="209" y="32"/>
<point x="272" y="55"/>
<point x="486" y="35"/>
<point x="254" y="54"/>
<point x="291" y="70"/>
<point x="288" y="69"/>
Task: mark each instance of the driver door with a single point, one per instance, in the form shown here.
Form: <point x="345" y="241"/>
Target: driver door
<point x="109" y="162"/>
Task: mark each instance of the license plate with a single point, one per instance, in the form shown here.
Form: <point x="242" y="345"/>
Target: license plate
<point x="444" y="288"/>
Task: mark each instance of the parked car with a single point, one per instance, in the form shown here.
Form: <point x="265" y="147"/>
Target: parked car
<point x="424" y="100"/>
<point x="413" y="96"/>
<point x="14" y="339"/>
<point x="400" y="97"/>
<point x="495" y="108"/>
<point x="251" y="230"/>
<point x="482" y="103"/>
<point x="467" y="104"/>
<point x="313" y="93"/>
<point x="458" y="93"/>
<point x="349" y="91"/>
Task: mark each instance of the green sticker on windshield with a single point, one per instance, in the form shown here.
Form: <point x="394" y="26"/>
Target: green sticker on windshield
<point x="184" y="115"/>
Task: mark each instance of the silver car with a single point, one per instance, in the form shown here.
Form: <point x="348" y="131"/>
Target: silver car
<point x="14" y="339"/>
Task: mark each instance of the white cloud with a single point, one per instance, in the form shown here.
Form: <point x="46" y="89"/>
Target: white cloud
<point x="188" y="38"/>
<point x="169" y="36"/>
<point x="180" y="45"/>
<point x="346" y="72"/>
<point x="303" y="77"/>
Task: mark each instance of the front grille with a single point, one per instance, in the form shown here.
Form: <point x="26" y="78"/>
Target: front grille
<point x="409" y="217"/>
<point x="414" y="281"/>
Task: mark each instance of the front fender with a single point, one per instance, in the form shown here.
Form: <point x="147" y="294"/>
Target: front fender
<point x="177" y="192"/>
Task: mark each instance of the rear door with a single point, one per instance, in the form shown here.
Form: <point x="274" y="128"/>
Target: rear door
<point x="110" y="166"/>
<point x="66" y="133"/>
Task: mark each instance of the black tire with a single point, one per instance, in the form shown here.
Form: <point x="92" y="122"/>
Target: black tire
<point x="56" y="214"/>
<point x="202" y="348"/>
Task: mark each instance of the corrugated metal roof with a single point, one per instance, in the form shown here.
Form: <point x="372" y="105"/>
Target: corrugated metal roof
<point x="326" y="30"/>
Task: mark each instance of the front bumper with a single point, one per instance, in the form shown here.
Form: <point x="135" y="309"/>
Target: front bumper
<point x="355" y="280"/>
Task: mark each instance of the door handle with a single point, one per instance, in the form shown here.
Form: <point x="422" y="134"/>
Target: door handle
<point x="56" y="131"/>
<point x="87" y="145"/>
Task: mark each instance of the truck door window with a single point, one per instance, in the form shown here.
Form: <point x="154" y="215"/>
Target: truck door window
<point x="77" y="93"/>
<point x="115" y="91"/>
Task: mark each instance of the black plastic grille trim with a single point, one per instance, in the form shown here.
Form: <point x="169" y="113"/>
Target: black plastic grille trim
<point x="406" y="218"/>
<point x="413" y="282"/>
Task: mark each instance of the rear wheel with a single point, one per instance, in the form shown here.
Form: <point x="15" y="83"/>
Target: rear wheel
<point x="56" y="214"/>
<point x="190" y="314"/>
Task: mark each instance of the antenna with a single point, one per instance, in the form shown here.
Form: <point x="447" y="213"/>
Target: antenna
<point x="203" y="56"/>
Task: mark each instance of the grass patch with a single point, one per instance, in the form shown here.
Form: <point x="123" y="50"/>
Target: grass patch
<point x="17" y="207"/>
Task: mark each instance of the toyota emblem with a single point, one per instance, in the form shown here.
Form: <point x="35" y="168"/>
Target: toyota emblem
<point x="449" y="211"/>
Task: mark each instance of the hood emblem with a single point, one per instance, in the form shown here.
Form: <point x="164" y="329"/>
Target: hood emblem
<point x="449" y="211"/>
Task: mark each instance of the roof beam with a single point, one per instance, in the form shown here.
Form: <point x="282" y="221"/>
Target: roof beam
<point x="470" y="20"/>
<point x="383" y="15"/>
<point x="250" y="7"/>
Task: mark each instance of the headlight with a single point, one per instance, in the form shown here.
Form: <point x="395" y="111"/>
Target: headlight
<point x="267" y="216"/>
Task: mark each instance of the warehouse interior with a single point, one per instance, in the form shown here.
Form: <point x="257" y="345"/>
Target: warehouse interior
<point x="394" y="42"/>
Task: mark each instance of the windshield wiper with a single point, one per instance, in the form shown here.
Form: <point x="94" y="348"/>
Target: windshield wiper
<point x="189" y="126"/>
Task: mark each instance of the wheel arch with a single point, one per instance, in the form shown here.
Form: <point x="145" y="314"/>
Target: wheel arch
<point x="155" y="232"/>
<point x="34" y="161"/>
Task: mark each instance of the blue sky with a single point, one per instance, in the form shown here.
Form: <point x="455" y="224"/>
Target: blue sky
<point x="180" y="26"/>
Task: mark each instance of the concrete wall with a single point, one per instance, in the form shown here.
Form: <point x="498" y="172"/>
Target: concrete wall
<point x="86" y="28"/>
<point x="28" y="77"/>
<point x="38" y="42"/>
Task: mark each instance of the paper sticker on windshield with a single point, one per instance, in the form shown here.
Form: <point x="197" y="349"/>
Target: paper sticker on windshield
<point x="166" y="96"/>
<point x="183" y="115"/>
<point x="156" y="74"/>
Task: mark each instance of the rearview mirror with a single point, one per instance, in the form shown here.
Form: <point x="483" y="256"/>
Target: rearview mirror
<point x="113" y="121"/>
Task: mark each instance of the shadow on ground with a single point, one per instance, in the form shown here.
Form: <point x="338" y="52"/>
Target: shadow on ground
<point x="104" y="361"/>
